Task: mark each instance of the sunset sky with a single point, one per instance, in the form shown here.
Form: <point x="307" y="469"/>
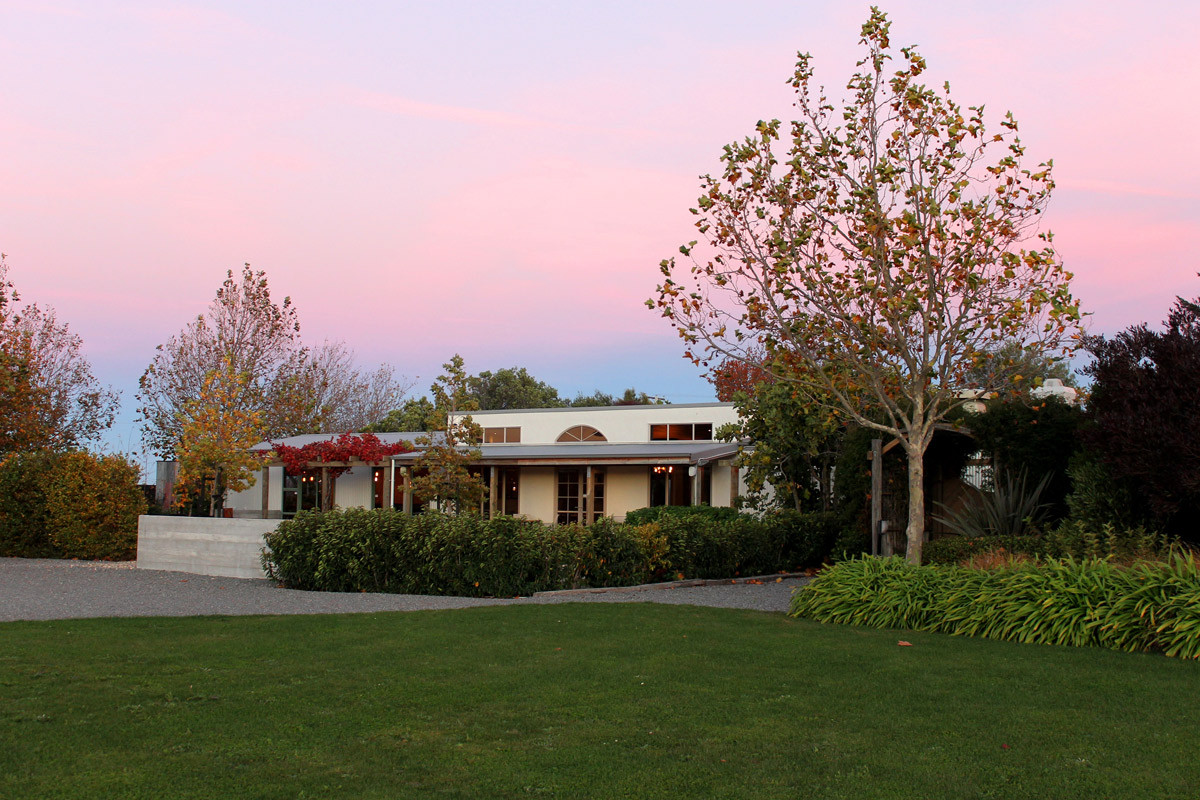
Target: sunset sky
<point x="500" y="179"/>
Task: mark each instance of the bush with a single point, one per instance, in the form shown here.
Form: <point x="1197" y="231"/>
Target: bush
<point x="1151" y="606"/>
<point x="69" y="505"/>
<point x="950" y="550"/>
<point x="643" y="516"/>
<point x="1069" y="540"/>
<point x="23" y="527"/>
<point x="93" y="504"/>
<point x="387" y="551"/>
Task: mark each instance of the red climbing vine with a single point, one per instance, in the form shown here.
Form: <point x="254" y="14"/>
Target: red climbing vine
<point x="345" y="448"/>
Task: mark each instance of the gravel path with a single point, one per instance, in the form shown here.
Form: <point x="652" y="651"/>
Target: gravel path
<point x="51" y="589"/>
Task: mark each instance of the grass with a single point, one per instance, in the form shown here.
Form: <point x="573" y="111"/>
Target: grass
<point x="579" y="701"/>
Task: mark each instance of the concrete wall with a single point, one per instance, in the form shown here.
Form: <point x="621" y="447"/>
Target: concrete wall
<point x="229" y="548"/>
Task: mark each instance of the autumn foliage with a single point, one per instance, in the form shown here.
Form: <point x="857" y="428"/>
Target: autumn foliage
<point x="69" y="505"/>
<point x="878" y="252"/>
<point x="341" y="451"/>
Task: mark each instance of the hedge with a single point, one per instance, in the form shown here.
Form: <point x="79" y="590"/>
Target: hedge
<point x="69" y="505"/>
<point x="1152" y="606"/>
<point x="388" y="551"/>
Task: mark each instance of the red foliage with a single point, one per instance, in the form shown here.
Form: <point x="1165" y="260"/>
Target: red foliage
<point x="733" y="376"/>
<point x="345" y="448"/>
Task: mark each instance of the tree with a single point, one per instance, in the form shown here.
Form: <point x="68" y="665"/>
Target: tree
<point x="245" y="332"/>
<point x="1011" y="365"/>
<point x="49" y="398"/>
<point x="322" y="390"/>
<point x="791" y="442"/>
<point x="443" y="468"/>
<point x="630" y="397"/>
<point x="292" y="389"/>
<point x="1143" y="412"/>
<point x="414" y="415"/>
<point x="215" y="437"/>
<point x="1038" y="438"/>
<point x="512" y="387"/>
<point x="878" y="258"/>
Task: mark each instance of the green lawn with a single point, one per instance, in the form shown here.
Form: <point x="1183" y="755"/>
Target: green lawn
<point x="579" y="701"/>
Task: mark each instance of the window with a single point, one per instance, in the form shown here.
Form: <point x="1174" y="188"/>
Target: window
<point x="301" y="492"/>
<point x="582" y="433"/>
<point x="682" y="432"/>
<point x="502" y="435"/>
<point x="572" y="496"/>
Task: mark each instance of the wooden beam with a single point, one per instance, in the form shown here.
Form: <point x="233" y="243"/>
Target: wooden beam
<point x="266" y="491"/>
<point x="876" y="495"/>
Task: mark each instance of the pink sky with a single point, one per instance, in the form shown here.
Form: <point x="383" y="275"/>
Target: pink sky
<point x="501" y="179"/>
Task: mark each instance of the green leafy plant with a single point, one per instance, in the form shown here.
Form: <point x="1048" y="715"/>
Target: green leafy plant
<point x="1011" y="509"/>
<point x="1151" y="606"/>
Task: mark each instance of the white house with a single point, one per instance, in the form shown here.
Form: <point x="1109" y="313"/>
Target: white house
<point x="558" y="465"/>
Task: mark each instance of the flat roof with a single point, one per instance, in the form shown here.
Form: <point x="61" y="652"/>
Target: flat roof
<point x="582" y="409"/>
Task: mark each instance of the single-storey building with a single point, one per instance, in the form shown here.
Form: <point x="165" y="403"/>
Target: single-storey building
<point x="559" y="465"/>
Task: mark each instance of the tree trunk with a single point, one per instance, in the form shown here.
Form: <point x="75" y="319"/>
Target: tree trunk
<point x="916" y="504"/>
<point x="212" y="497"/>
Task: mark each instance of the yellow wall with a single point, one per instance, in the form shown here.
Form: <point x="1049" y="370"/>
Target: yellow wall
<point x="628" y="488"/>
<point x="536" y="498"/>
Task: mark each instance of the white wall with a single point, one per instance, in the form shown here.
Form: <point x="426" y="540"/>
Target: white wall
<point x="619" y="424"/>
<point x="354" y="489"/>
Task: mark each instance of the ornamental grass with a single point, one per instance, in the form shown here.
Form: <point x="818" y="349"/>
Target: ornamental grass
<point x="1150" y="606"/>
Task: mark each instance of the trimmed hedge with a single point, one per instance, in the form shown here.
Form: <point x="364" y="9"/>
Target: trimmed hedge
<point x="1148" y="607"/>
<point x="388" y="551"/>
<point x="69" y="505"/>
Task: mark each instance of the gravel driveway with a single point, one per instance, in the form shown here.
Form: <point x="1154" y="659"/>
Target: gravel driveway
<point x="51" y="589"/>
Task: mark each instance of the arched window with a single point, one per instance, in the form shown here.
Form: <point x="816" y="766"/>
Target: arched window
<point x="582" y="433"/>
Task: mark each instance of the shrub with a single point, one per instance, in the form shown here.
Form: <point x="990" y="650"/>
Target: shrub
<point x="1069" y="540"/>
<point x="1151" y="606"/>
<point x="387" y="551"/>
<point x="949" y="550"/>
<point x="852" y="540"/>
<point x="92" y="506"/>
<point x="642" y="516"/>
<point x="69" y="505"/>
<point x="809" y="538"/>
<point x="23" y="529"/>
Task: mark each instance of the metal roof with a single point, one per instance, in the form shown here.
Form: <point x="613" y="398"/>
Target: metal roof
<point x="309" y="438"/>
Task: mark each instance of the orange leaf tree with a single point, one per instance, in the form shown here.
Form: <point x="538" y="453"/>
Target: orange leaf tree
<point x="215" y="437"/>
<point x="875" y="251"/>
<point x="49" y="398"/>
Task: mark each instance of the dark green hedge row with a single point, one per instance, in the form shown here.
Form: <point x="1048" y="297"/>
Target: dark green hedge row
<point x="1150" y="606"/>
<point x="69" y="505"/>
<point x="387" y="551"/>
<point x="1068" y="540"/>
